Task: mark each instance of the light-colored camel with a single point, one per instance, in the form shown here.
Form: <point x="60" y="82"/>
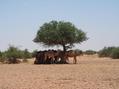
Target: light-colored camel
<point x="74" y="54"/>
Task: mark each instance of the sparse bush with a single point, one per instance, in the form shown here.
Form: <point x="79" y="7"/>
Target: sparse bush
<point x="0" y="54"/>
<point x="13" y="54"/>
<point x="115" y="53"/>
<point x="27" y="54"/>
<point x="106" y="52"/>
<point x="112" y="52"/>
<point x="34" y="53"/>
<point x="79" y="52"/>
<point x="1" y="57"/>
<point x="90" y="52"/>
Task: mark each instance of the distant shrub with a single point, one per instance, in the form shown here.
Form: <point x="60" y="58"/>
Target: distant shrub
<point x="90" y="52"/>
<point x="13" y="54"/>
<point x="1" y="59"/>
<point x="112" y="52"/>
<point x="115" y="53"/>
<point x="106" y="52"/>
<point x="26" y="54"/>
<point x="78" y="52"/>
<point x="0" y="54"/>
<point x="34" y="53"/>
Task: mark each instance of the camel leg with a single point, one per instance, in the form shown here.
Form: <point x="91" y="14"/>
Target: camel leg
<point x="75" y="60"/>
<point x="67" y="59"/>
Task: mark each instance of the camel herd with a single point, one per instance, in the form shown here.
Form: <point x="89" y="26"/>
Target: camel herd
<point x="55" y="56"/>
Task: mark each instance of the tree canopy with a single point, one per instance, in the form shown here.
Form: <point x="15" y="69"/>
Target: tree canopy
<point x="60" y="33"/>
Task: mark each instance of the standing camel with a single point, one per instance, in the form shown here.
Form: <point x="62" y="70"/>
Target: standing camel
<point x="74" y="54"/>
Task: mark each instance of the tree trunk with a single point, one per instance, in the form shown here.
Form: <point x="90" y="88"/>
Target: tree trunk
<point x="63" y="58"/>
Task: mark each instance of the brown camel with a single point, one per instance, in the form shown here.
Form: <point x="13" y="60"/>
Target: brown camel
<point x="74" y="54"/>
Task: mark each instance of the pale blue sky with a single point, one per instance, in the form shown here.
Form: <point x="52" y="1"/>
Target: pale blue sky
<point x="20" y="20"/>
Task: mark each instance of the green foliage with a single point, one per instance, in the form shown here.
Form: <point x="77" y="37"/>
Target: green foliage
<point x="78" y="52"/>
<point x="13" y="54"/>
<point x="106" y="52"/>
<point x="1" y="54"/>
<point x="59" y="33"/>
<point x="112" y="52"/>
<point x="26" y="54"/>
<point x="115" y="53"/>
<point x="90" y="52"/>
<point x="34" y="53"/>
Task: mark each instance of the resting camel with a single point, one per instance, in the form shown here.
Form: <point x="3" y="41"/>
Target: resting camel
<point x="45" y="57"/>
<point x="39" y="57"/>
<point x="49" y="56"/>
<point x="53" y="56"/>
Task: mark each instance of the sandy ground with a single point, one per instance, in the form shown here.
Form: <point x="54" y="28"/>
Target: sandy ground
<point x="91" y="72"/>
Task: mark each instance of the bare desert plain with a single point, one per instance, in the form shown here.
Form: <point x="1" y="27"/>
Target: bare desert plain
<point x="90" y="72"/>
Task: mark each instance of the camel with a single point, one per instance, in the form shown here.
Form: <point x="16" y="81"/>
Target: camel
<point x="44" y="57"/>
<point x="49" y="56"/>
<point x="74" y="54"/>
<point x="53" y="56"/>
<point x="39" y="57"/>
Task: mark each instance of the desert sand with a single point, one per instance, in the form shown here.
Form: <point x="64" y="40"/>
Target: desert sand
<point x="90" y="72"/>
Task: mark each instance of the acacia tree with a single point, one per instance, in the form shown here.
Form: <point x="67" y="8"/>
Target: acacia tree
<point x="60" y="33"/>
